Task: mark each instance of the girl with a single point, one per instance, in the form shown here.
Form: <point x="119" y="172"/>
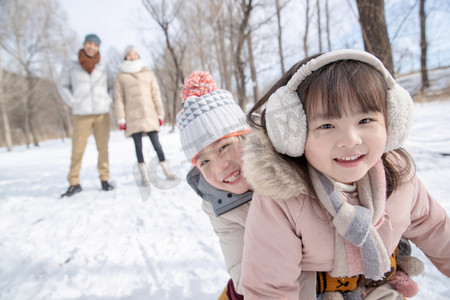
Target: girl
<point x="212" y="127"/>
<point x="139" y="108"/>
<point x="334" y="192"/>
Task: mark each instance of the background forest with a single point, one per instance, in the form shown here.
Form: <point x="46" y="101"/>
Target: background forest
<point x="245" y="44"/>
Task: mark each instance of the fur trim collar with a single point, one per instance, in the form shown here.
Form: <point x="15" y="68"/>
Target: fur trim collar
<point x="266" y="171"/>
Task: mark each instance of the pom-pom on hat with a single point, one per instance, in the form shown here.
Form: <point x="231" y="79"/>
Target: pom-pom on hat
<point x="208" y="114"/>
<point x="198" y="84"/>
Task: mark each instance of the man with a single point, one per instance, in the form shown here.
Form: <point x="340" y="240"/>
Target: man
<point x="84" y="86"/>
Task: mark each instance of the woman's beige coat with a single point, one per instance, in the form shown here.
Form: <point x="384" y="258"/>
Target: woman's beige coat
<point x="137" y="99"/>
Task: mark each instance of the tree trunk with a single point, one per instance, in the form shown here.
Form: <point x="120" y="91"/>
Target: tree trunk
<point x="280" y="42"/>
<point x="164" y="16"/>
<point x="31" y="130"/>
<point x="374" y="31"/>
<point x="231" y="48"/>
<point x="240" y="64"/>
<point x="218" y="35"/>
<point x="4" y="114"/>
<point x="60" y="116"/>
<point x="319" y="27"/>
<point x="26" y="123"/>
<point x="305" y="36"/>
<point x="423" y="48"/>
<point x="67" y="114"/>
<point x="224" y="65"/>
<point x="327" y="16"/>
<point x="240" y="78"/>
<point x="251" y="61"/>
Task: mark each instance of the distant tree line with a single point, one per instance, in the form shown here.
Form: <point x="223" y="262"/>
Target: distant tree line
<point x="33" y="38"/>
<point x="238" y="41"/>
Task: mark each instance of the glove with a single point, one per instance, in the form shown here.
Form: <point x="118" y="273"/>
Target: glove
<point x="161" y="121"/>
<point x="121" y="123"/>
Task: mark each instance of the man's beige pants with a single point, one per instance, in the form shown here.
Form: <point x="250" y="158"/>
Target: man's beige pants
<point x="83" y="126"/>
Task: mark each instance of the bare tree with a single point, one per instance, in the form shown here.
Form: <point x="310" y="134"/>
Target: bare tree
<point x="223" y="58"/>
<point x="165" y="15"/>
<point x="305" y="35"/>
<point x="246" y="7"/>
<point x="4" y="115"/>
<point x="198" y="27"/>
<point x="14" y="43"/>
<point x="423" y="47"/>
<point x="327" y="17"/>
<point x="207" y="36"/>
<point x="319" y="26"/>
<point x="28" y="37"/>
<point x="227" y="44"/>
<point x="252" y="66"/>
<point x="374" y="31"/>
<point x="217" y="39"/>
<point x="279" y="7"/>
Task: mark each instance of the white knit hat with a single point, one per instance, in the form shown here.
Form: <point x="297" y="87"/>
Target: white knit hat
<point x="286" y="119"/>
<point x="205" y="119"/>
<point x="130" y="48"/>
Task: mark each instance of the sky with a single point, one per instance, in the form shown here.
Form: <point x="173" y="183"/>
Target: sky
<point x="119" y="23"/>
<point x="137" y="243"/>
<point x="116" y="22"/>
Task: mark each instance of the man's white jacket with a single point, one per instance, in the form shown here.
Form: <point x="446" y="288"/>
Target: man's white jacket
<point x="85" y="93"/>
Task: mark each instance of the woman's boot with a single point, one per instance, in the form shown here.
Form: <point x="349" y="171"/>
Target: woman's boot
<point x="144" y="173"/>
<point x="165" y="167"/>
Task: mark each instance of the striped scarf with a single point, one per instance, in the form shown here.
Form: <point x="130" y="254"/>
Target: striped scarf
<point x="358" y="247"/>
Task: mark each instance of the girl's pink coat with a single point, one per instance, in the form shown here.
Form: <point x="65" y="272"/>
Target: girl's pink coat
<point x="285" y="237"/>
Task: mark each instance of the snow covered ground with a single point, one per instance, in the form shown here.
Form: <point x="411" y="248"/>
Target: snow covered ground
<point x="101" y="245"/>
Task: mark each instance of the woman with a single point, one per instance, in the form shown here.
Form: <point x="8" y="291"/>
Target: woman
<point x="139" y="108"/>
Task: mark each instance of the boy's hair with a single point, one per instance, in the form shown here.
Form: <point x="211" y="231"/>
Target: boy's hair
<point x="360" y="86"/>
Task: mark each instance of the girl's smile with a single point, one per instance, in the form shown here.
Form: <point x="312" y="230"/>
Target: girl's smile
<point x="350" y="161"/>
<point x="346" y="148"/>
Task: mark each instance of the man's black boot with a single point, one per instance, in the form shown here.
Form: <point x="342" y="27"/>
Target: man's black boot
<point x="73" y="189"/>
<point x="106" y="186"/>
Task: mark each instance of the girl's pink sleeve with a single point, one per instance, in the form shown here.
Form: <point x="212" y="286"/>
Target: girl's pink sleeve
<point x="430" y="228"/>
<point x="272" y="253"/>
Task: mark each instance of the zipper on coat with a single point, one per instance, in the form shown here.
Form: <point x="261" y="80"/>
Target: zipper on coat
<point x="92" y="92"/>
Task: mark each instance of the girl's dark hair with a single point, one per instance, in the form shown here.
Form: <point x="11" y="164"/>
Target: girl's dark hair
<point x="361" y="86"/>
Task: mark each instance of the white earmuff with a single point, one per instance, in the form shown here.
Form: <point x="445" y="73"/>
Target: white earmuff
<point x="400" y="117"/>
<point x="286" y="122"/>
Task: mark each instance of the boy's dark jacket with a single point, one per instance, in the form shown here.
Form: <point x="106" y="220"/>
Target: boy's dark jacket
<point x="222" y="201"/>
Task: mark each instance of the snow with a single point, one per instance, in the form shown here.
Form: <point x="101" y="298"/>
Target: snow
<point x="114" y="245"/>
<point x="102" y="245"/>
